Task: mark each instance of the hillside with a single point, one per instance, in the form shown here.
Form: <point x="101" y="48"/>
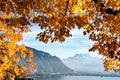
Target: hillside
<point x="46" y="63"/>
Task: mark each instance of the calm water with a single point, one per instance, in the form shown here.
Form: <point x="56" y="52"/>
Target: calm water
<point x="79" y="78"/>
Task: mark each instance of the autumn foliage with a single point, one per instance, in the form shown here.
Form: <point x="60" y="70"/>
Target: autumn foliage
<point x="56" y="18"/>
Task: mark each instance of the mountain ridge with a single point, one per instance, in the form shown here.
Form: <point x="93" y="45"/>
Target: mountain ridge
<point x="47" y="64"/>
<point x="85" y="63"/>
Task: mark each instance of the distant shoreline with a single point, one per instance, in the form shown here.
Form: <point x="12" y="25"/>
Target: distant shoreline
<point x="72" y="74"/>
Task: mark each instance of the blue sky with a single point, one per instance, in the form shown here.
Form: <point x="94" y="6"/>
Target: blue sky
<point x="77" y="44"/>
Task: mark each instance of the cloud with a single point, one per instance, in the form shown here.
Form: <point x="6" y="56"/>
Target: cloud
<point x="78" y="43"/>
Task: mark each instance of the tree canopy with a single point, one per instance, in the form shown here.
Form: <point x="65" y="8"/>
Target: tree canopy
<point x="56" y="18"/>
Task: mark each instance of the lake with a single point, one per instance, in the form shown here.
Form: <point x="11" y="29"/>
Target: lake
<point x="78" y="78"/>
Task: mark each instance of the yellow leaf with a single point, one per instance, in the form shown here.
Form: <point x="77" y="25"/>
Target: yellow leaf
<point x="86" y="26"/>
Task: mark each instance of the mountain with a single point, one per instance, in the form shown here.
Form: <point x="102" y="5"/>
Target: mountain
<point x="84" y="63"/>
<point x="46" y="64"/>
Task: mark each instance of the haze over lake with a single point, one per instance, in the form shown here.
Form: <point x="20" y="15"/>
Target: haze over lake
<point x="79" y="78"/>
<point x="50" y="67"/>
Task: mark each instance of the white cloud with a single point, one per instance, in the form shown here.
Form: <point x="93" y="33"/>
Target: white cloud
<point x="78" y="43"/>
